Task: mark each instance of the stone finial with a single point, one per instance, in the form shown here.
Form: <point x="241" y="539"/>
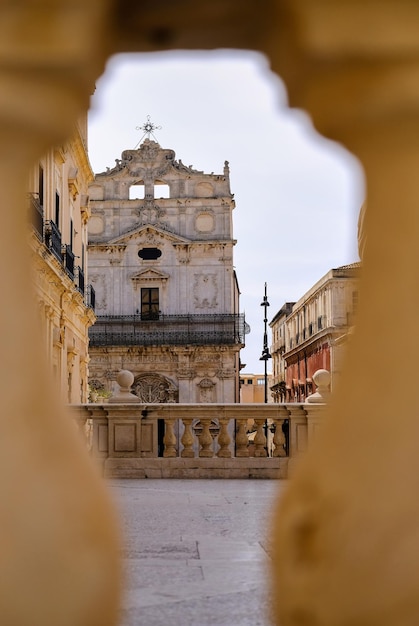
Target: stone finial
<point x="125" y="378"/>
<point x="321" y="379"/>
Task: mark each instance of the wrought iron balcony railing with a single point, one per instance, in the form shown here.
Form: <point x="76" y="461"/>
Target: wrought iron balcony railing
<point x="131" y="330"/>
<point x="53" y="239"/>
<point x="91" y="297"/>
<point x="68" y="256"/>
<point x="80" y="280"/>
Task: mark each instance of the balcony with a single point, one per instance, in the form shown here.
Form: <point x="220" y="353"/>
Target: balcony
<point x="131" y="330"/>
<point x="68" y="257"/>
<point x="80" y="280"/>
<point x="53" y="240"/>
<point x="198" y="440"/>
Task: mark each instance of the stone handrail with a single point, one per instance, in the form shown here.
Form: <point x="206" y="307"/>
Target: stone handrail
<point x="134" y="440"/>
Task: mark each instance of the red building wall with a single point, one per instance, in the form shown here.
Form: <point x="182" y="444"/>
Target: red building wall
<point x="301" y="367"/>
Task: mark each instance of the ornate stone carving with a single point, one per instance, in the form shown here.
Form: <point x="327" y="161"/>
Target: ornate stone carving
<point x="226" y="373"/>
<point x="206" y="390"/>
<point x="211" y="359"/>
<point x="151" y="213"/>
<point x="183" y="253"/>
<point x="205" y="291"/>
<point x="99" y="283"/>
<point x="185" y="373"/>
<point x="152" y="388"/>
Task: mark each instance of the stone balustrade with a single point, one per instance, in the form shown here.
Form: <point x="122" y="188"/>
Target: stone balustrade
<point x="133" y="440"/>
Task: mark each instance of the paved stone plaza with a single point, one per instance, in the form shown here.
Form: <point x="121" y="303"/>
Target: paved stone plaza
<point x="196" y="552"/>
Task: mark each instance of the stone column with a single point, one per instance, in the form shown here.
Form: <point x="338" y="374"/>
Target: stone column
<point x="346" y="536"/>
<point x="61" y="550"/>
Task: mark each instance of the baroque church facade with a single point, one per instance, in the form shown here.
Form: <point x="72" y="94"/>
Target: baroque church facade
<point x="161" y="263"/>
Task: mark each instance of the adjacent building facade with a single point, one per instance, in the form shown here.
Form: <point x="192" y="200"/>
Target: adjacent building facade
<point x="59" y="213"/>
<point x="310" y="334"/>
<point x="161" y="262"/>
<point x="252" y="388"/>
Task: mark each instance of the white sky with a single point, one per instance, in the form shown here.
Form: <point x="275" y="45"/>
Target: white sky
<point x="297" y="194"/>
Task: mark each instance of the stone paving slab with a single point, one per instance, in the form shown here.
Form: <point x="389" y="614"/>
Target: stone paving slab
<point x="195" y="551"/>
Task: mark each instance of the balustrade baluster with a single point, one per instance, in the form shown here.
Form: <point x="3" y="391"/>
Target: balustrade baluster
<point x="224" y="439"/>
<point x="187" y="439"/>
<point x="205" y="439"/>
<point x="241" y="438"/>
<point x="279" y="439"/>
<point x="169" y="438"/>
<point x="260" y="439"/>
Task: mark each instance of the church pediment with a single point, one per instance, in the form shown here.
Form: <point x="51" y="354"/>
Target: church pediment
<point x="149" y="275"/>
<point x="150" y="235"/>
<point x="148" y="158"/>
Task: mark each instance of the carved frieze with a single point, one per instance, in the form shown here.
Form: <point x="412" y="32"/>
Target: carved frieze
<point x="185" y="373"/>
<point x="211" y="359"/>
<point x="226" y="373"/>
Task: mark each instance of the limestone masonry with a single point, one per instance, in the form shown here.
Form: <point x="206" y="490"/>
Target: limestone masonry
<point x="161" y="262"/>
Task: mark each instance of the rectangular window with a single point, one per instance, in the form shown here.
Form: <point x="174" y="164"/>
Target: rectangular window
<point x="260" y="381"/>
<point x="149" y="303"/>
<point x="57" y="210"/>
<point x="71" y="234"/>
<point x="41" y="186"/>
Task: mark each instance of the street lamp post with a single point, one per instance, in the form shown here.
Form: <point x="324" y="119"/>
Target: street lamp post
<point x="265" y="352"/>
<point x="265" y="355"/>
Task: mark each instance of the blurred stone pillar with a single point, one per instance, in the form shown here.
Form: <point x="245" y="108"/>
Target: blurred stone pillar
<point x="346" y="538"/>
<point x="60" y="559"/>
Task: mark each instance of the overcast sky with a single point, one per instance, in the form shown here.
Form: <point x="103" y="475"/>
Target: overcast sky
<point x="297" y="195"/>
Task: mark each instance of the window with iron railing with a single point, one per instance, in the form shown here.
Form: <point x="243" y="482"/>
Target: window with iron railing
<point x="53" y="240"/>
<point x="91" y="297"/>
<point x="69" y="261"/>
<point x="80" y="280"/>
